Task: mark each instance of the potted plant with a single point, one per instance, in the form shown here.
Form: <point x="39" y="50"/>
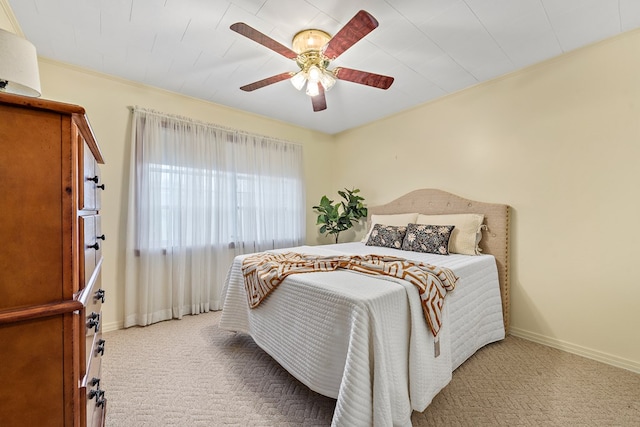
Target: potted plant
<point x="340" y="216"/>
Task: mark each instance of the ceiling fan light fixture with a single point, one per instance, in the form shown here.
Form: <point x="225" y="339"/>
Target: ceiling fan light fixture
<point x="312" y="88"/>
<point x="314" y="73"/>
<point x="298" y="80"/>
<point x="313" y="51"/>
<point x="327" y="80"/>
<point x="307" y="40"/>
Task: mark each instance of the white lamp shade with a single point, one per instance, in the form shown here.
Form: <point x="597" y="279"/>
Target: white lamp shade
<point x="18" y="65"/>
<point x="314" y="73"/>
<point x="298" y="80"/>
<point x="327" y="80"/>
<point x="312" y="88"/>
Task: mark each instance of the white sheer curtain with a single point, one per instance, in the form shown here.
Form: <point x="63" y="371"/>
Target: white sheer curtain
<point x="199" y="195"/>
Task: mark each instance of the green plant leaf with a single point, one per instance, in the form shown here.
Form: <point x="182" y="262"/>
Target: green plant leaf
<point x="338" y="217"/>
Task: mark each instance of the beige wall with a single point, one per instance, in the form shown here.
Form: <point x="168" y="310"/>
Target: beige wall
<point x="560" y="143"/>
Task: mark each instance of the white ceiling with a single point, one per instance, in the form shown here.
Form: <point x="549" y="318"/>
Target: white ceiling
<point x="431" y="47"/>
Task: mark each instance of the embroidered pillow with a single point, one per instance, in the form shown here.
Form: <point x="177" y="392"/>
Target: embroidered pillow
<point x="467" y="234"/>
<point x="388" y="236"/>
<point x="432" y="239"/>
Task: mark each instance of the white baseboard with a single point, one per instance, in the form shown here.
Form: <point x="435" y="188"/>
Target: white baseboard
<point x="113" y="326"/>
<point x="609" y="359"/>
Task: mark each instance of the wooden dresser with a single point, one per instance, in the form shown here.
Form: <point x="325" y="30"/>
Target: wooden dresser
<point x="50" y="266"/>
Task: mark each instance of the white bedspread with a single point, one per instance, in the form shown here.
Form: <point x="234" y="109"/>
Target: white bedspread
<point x="363" y="340"/>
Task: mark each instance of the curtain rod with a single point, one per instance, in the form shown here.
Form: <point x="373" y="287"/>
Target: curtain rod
<point x="199" y="122"/>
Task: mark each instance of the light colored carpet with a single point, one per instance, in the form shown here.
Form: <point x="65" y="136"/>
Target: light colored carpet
<point x="190" y="373"/>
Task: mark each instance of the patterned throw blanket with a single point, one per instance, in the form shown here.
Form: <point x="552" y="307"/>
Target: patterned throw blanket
<point x="263" y="272"/>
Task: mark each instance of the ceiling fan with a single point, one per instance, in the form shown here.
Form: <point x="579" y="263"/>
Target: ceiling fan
<point x="313" y="51"/>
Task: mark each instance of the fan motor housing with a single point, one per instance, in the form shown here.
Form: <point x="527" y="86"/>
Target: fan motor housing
<point x="309" y="40"/>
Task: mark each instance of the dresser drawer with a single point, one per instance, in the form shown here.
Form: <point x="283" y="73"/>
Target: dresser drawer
<point x="93" y="307"/>
<point x="90" y="185"/>
<point x="93" y="346"/>
<point x="92" y="236"/>
<point x="94" y="394"/>
<point x="96" y="416"/>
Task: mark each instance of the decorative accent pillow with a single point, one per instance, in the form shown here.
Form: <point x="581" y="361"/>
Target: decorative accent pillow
<point x="388" y="236"/>
<point x="433" y="239"/>
<point x="466" y="235"/>
<point x="396" y="219"/>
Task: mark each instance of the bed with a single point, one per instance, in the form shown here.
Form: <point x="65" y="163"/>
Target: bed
<point x="363" y="340"/>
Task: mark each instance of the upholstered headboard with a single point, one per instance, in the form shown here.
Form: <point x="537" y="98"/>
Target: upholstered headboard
<point x="495" y="239"/>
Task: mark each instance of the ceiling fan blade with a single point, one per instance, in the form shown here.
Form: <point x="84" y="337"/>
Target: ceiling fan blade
<point x="363" y="77"/>
<point x="266" y="82"/>
<point x="263" y="39"/>
<point x="359" y="26"/>
<point x="319" y="101"/>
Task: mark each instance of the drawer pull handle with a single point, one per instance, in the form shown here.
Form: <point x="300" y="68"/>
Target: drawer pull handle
<point x="95" y="246"/>
<point x="97" y="393"/>
<point x="94" y="179"/>
<point x="101" y="237"/>
<point x="100" y="348"/>
<point x="95" y="381"/>
<point x="94" y="321"/>
<point x="95" y="324"/>
<point x="101" y="400"/>
<point x="99" y="295"/>
<point x="101" y="186"/>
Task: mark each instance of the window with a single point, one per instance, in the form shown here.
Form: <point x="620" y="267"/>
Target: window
<point x="200" y="185"/>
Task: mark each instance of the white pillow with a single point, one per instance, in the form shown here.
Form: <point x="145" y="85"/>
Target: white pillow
<point x="395" y="220"/>
<point x="466" y="235"/>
